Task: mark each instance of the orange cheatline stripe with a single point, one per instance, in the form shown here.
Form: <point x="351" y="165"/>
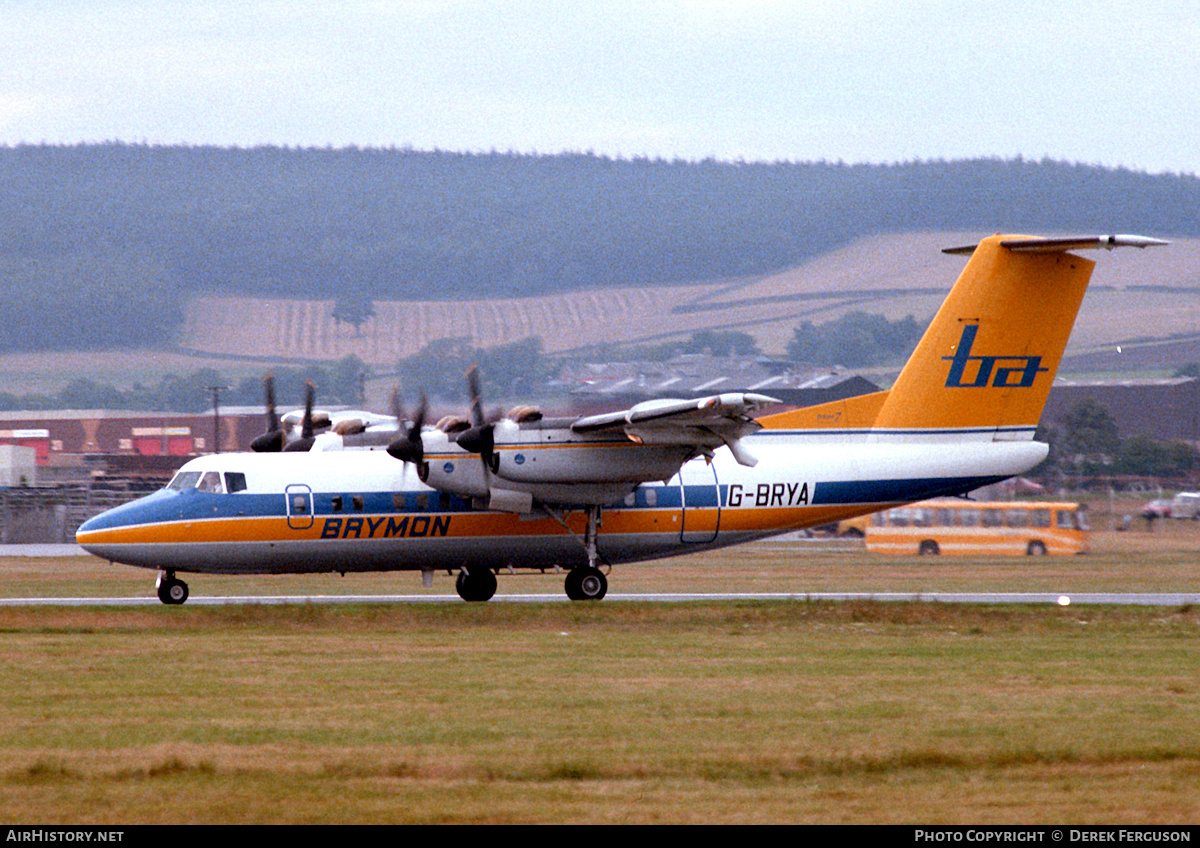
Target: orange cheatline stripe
<point x="466" y="525"/>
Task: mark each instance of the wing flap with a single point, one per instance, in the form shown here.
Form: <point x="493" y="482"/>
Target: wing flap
<point x="711" y="410"/>
<point x="704" y="423"/>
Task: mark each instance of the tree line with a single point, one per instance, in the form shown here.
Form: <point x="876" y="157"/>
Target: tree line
<point x="101" y="245"/>
<point x="337" y="383"/>
<point x="1087" y="443"/>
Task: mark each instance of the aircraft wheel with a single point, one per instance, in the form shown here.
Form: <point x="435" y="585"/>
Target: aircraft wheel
<point x="475" y="584"/>
<point x="586" y="584"/>
<point x="171" y="590"/>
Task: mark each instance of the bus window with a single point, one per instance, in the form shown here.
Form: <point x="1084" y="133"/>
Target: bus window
<point x="969" y="517"/>
<point x="944" y="517"/>
<point x="1016" y="517"/>
<point x="1067" y="519"/>
<point x="991" y="518"/>
<point x="1039" y="518"/>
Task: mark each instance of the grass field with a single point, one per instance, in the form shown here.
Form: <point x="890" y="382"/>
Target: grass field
<point x="619" y="711"/>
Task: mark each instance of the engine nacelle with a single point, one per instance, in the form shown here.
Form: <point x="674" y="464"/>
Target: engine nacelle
<point x="459" y="475"/>
<point x="580" y="463"/>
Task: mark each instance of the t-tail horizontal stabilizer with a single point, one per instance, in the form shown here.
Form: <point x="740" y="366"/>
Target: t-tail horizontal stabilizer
<point x="1058" y="245"/>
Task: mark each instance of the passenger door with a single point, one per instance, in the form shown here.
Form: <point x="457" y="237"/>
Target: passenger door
<point x="701" y="498"/>
<point x="299" y="506"/>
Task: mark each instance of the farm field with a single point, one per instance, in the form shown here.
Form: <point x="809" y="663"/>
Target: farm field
<point x="638" y="712"/>
<point x="894" y="275"/>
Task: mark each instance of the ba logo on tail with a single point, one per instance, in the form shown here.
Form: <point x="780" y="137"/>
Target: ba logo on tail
<point x="1001" y="372"/>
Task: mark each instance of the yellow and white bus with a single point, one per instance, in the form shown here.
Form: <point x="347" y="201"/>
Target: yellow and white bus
<point x="955" y="526"/>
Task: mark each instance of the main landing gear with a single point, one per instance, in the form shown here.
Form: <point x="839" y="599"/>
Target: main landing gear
<point x="171" y="590"/>
<point x="475" y="584"/>
<point x="587" y="582"/>
<point x="583" y="583"/>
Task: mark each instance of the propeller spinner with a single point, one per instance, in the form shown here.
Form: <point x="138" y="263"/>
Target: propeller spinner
<point x="409" y="447"/>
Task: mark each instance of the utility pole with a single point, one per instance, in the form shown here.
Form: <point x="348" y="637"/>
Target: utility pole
<point x="216" y="400"/>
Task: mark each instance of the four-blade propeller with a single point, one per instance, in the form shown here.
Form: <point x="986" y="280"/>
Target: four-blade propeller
<point x="272" y="440"/>
<point x="409" y="445"/>
<point x="480" y="437"/>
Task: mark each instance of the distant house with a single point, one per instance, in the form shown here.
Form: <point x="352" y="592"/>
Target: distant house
<point x="614" y="384"/>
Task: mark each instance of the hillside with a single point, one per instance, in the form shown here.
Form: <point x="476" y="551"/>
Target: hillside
<point x="1135" y="294"/>
<point x="1142" y="303"/>
<point x="108" y="245"/>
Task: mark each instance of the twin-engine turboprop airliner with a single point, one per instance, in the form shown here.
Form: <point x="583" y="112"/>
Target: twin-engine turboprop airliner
<point x="477" y="497"/>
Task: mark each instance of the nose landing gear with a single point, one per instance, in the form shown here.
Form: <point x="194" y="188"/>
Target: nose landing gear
<point x="171" y="590"/>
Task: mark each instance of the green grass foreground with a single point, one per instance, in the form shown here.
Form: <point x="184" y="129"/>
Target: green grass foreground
<point x="610" y="712"/>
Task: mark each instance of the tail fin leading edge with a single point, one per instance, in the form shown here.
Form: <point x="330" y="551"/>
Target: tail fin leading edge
<point x="987" y="360"/>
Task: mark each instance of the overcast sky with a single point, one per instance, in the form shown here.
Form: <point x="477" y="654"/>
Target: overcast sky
<point x="1109" y="83"/>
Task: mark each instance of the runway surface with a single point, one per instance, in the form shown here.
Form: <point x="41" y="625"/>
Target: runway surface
<point x="1167" y="599"/>
<point x="1161" y="599"/>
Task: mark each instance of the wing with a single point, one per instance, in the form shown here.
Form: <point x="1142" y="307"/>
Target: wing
<point x="705" y="423"/>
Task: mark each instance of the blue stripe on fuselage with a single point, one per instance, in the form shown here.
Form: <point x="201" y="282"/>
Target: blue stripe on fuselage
<point x="167" y="505"/>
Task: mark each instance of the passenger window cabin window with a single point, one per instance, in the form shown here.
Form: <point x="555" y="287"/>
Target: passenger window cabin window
<point x="398" y="502"/>
<point x="357" y="501"/>
<point x="336" y="503"/>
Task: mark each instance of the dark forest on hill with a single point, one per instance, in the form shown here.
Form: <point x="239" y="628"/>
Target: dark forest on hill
<point x="101" y="245"/>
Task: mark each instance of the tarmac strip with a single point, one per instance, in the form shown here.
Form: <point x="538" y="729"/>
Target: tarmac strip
<point x="1163" y="599"/>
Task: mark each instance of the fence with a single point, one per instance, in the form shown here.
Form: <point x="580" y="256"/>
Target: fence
<point x="51" y="514"/>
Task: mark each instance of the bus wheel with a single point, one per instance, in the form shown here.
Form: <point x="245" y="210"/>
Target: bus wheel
<point x="929" y="548"/>
<point x="1036" y="548"/>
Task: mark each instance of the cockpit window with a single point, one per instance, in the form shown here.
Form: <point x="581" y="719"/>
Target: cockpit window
<point x="184" y="480"/>
<point x="208" y="481"/>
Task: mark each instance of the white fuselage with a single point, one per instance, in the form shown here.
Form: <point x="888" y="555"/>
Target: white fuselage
<point x="361" y="510"/>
